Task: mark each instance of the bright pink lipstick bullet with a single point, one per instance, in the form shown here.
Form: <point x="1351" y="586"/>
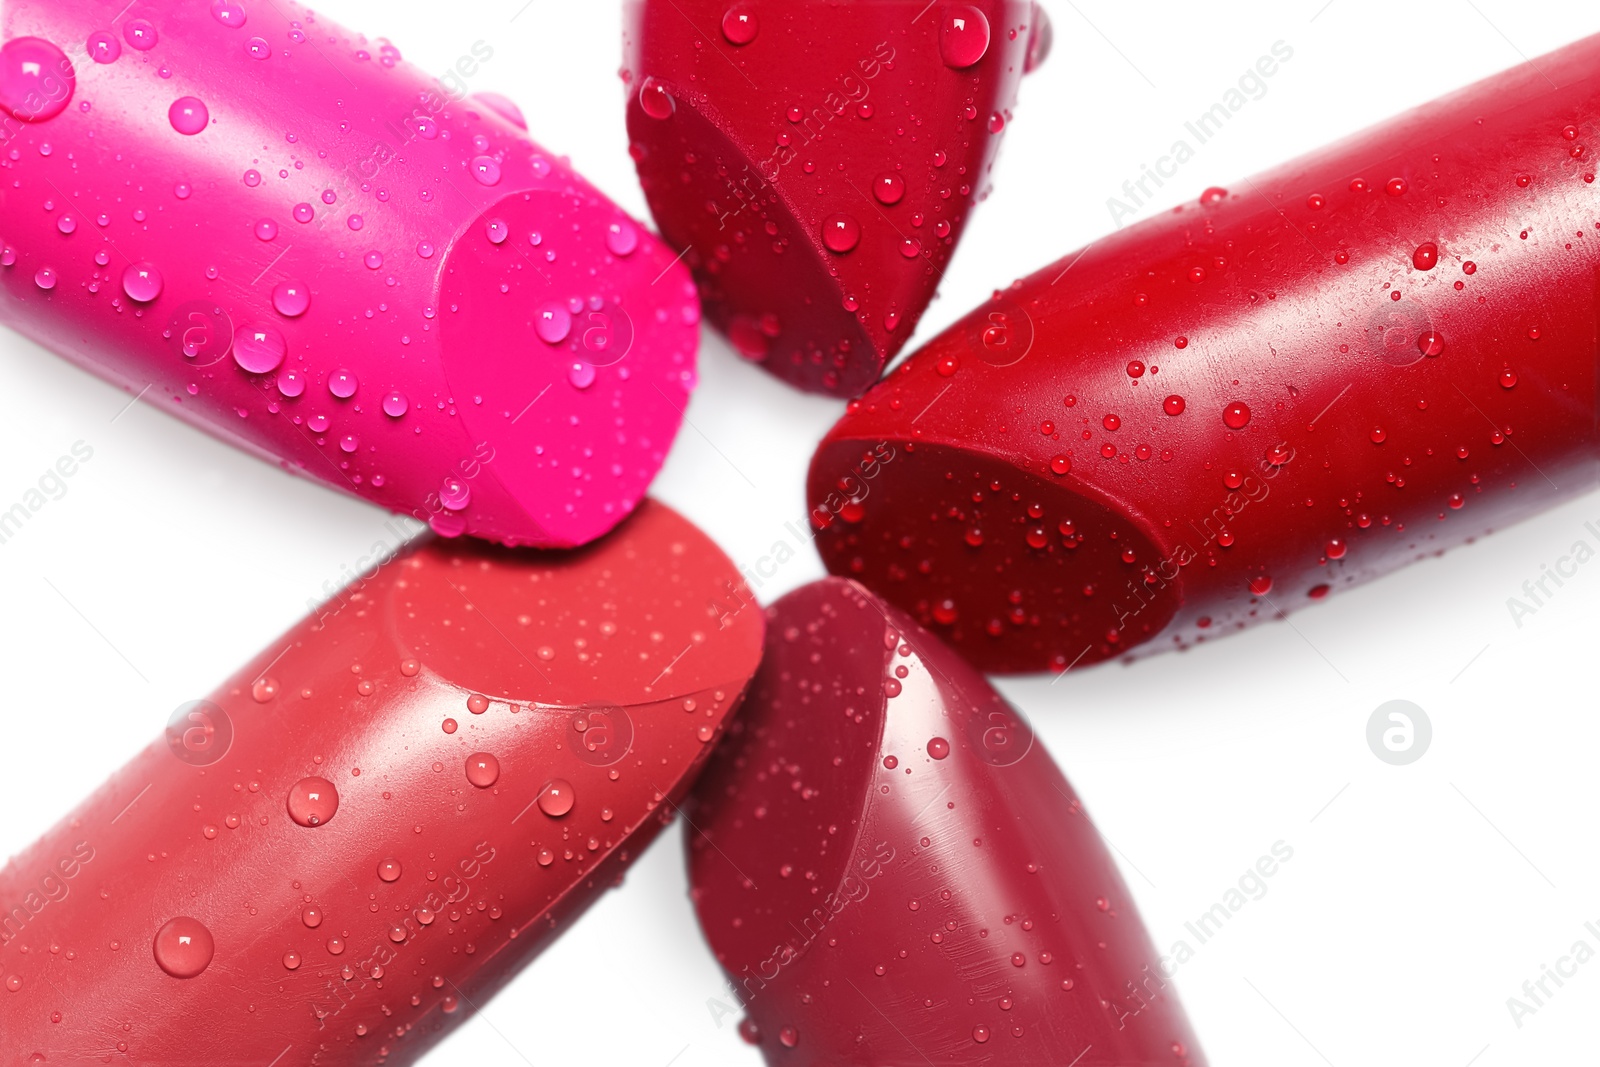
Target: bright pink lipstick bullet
<point x="818" y="161"/>
<point x="891" y="870"/>
<point x="371" y="828"/>
<point x="288" y="236"/>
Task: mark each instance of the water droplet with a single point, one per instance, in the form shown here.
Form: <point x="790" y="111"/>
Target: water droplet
<point x="483" y="770"/>
<point x="258" y="48"/>
<point x="963" y="36"/>
<point x="789" y="1036"/>
<point x="840" y="232"/>
<point x="739" y="24"/>
<point x="291" y="299"/>
<point x="184" y="947"/>
<point x="889" y="188"/>
<point x="313" y="801"/>
<point x="104" y="47"/>
<point x="1214" y="195"/>
<point x="259" y="350"/>
<point x="140" y="34"/>
<point x="655" y="100"/>
<point x="553" y="324"/>
<point x="36" y="79"/>
<point x="395" y="405"/>
<point x="1061" y="464"/>
<point x="1261" y="585"/>
<point x="1395" y="187"/>
<point x="291" y="960"/>
<point x="622" y="238"/>
<point x="142" y="282"/>
<point x="455" y="494"/>
<point x="581" y="374"/>
<point x="1431" y="343"/>
<point x="938" y="748"/>
<point x="342" y="384"/>
<point x="449" y="726"/>
<point x="997" y="122"/>
<point x="266" y="229"/>
<point x="45" y="278"/>
<point x="1236" y="416"/>
<point x="486" y="170"/>
<point x="980" y="1034"/>
<point x="311" y="916"/>
<point x="389" y="870"/>
<point x="264" y="689"/>
<point x="188" y="115"/>
<point x="228" y="13"/>
<point x="291" y="383"/>
<point x="556" y="799"/>
<point x="1508" y="378"/>
<point x="1426" y="257"/>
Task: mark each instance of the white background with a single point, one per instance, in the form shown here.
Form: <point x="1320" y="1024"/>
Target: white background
<point x="1419" y="898"/>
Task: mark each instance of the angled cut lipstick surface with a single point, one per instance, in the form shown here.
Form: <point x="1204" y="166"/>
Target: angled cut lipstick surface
<point x="891" y="870"/>
<point x="371" y="828"/>
<point x="818" y="161"/>
<point x="282" y="232"/>
<point x="1357" y="360"/>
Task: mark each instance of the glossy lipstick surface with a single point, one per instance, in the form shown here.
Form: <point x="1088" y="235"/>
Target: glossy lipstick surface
<point x="1357" y="360"/>
<point x="285" y="234"/>
<point x="360" y="837"/>
<point x="818" y="162"/>
<point x="891" y="869"/>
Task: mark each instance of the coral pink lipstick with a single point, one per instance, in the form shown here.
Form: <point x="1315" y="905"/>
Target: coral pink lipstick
<point x="366" y="832"/>
<point x="288" y="236"/>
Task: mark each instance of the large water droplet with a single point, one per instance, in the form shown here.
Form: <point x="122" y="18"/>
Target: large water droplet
<point x="140" y="34"/>
<point x="313" y="801"/>
<point x="655" y="100"/>
<point x="228" y="13"/>
<point x="259" y="350"/>
<point x="483" y="770"/>
<point x="740" y="25"/>
<point x="36" y="79"/>
<point x="840" y="232"/>
<point x="395" y="405"/>
<point x="553" y="324"/>
<point x="184" y="947"/>
<point x="622" y="238"/>
<point x="188" y="115"/>
<point x="963" y="36"/>
<point x="486" y="170"/>
<point x="291" y="299"/>
<point x="104" y="46"/>
<point x="556" y="798"/>
<point x="1236" y="416"/>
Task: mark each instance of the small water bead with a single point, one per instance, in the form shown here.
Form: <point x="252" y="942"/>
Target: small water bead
<point x="291" y="383"/>
<point x="1426" y="257"/>
<point x="483" y="769"/>
<point x="264" y="690"/>
<point x="622" y="238"/>
<point x="45" y="278"/>
<point x="228" y="13"/>
<point x="291" y="960"/>
<point x="1061" y="464"/>
<point x="182" y="191"/>
<point x="311" y="916"/>
<point x="330" y="197"/>
<point x="497" y="231"/>
<point x="740" y="25"/>
<point x="553" y="324"/>
<point x="980" y="1034"/>
<point x="789" y="1037"/>
<point x="580" y="374"/>
<point x="1261" y="585"/>
<point x="258" y="48"/>
<point x="1378" y="435"/>
<point x="455" y="494"/>
<point x="997" y="122"/>
<point x="889" y="188"/>
<point x="67" y="223"/>
<point x="1111" y="422"/>
<point x="188" y="115"/>
<point x="486" y="169"/>
<point x="395" y="405"/>
<point x="183" y="947"/>
<point x="1508" y="378"/>
<point x="140" y="34"/>
<point x="1173" y="405"/>
<point x="840" y="233"/>
<point x="373" y="260"/>
<point x="389" y="870"/>
<point x="291" y="299"/>
<point x="342" y="384"/>
<point x="266" y="229"/>
<point x="1395" y="187"/>
<point x="1236" y="416"/>
<point x="938" y="748"/>
<point x="1336" y="549"/>
<point x="252" y="178"/>
<point x="910" y="247"/>
<point x="313" y="801"/>
<point x="449" y="726"/>
<point x="963" y="36"/>
<point x="656" y="101"/>
<point x="1431" y="343"/>
<point x="104" y="47"/>
<point x="556" y="798"/>
<point x="260" y="350"/>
